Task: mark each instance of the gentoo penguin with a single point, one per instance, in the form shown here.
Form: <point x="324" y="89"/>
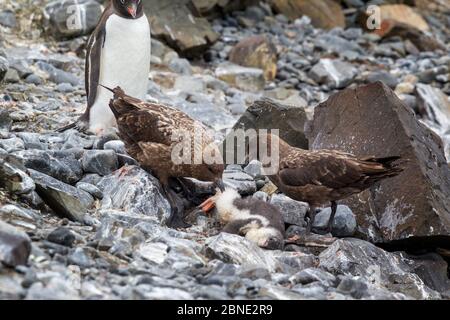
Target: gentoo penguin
<point x="118" y="54"/>
<point x="257" y="220"/>
<point x="323" y="176"/>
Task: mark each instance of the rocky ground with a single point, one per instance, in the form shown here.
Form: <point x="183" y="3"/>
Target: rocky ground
<point x="73" y="225"/>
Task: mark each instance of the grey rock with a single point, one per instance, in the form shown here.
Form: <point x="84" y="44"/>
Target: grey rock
<point x="31" y="140"/>
<point x="176" y="23"/>
<point x="409" y="100"/>
<point x="57" y="75"/>
<point x="356" y="257"/>
<point x="155" y="252"/>
<point x="19" y="217"/>
<point x="102" y="162"/>
<point x="281" y="293"/>
<point x="292" y="262"/>
<point x="310" y="275"/>
<point x="12" y="144"/>
<point x="261" y="196"/>
<point x="267" y="114"/>
<point x="13" y="177"/>
<point x="335" y="73"/>
<point x="394" y="209"/>
<point x="15" y="245"/>
<point x="91" y="189"/>
<point x="56" y="289"/>
<point x="232" y="248"/>
<point x="355" y="287"/>
<point x="8" y="18"/>
<point x="244" y="78"/>
<point x="5" y="121"/>
<point x="117" y="145"/>
<point x="91" y="178"/>
<point x="81" y="257"/>
<point x="293" y="211"/>
<point x="239" y="181"/>
<point x="181" y="66"/>
<point x="59" y="17"/>
<point x="4" y="65"/>
<point x="65" y="200"/>
<point x="11" y="76"/>
<point x="254" y="168"/>
<point x="125" y="159"/>
<point x="187" y="83"/>
<point x="62" y="236"/>
<point x="121" y="233"/>
<point x="158" y="48"/>
<point x="34" y="79"/>
<point x="434" y="106"/>
<point x="64" y="87"/>
<point x="59" y="165"/>
<point x="11" y="286"/>
<point x="74" y="139"/>
<point x="255" y="273"/>
<point x="344" y="223"/>
<point x="336" y="44"/>
<point x="136" y="192"/>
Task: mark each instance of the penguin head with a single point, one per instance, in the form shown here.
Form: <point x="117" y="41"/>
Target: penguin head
<point x="131" y="9"/>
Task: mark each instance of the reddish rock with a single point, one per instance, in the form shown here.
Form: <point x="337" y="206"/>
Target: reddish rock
<point x="371" y="120"/>
<point x="326" y="14"/>
<point x="403" y="14"/>
<point x="256" y="52"/>
<point x="423" y="42"/>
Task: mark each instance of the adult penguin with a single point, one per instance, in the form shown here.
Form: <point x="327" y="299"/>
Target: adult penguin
<point x="118" y="54"/>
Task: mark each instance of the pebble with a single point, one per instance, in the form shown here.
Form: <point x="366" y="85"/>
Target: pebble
<point x="102" y="162"/>
<point x="344" y="223"/>
<point x="34" y="79"/>
<point x="64" y="87"/>
<point x="62" y="236"/>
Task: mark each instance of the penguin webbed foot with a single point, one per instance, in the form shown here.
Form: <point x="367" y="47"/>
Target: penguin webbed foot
<point x="79" y="125"/>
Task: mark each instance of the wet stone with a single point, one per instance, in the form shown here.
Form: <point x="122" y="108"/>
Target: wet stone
<point x="63" y="236"/>
<point x="102" y="162"/>
<point x="64" y="199"/>
<point x="15" y="245"/>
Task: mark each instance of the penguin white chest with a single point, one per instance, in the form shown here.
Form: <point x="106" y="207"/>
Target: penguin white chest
<point x="124" y="62"/>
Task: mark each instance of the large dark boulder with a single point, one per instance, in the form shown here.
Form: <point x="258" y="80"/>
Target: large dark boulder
<point x="394" y="271"/>
<point x="268" y="114"/>
<point x="372" y="120"/>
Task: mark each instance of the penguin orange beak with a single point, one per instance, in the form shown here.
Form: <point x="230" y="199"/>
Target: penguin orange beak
<point x="208" y="204"/>
<point x="132" y="8"/>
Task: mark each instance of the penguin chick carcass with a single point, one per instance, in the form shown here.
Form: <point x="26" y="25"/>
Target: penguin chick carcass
<point x="256" y="220"/>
